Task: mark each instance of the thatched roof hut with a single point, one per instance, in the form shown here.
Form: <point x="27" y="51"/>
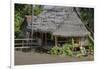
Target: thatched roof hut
<point x="58" y="20"/>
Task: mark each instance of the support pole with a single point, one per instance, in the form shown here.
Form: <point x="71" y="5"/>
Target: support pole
<point x="45" y="39"/>
<point x="51" y="37"/>
<point x="82" y="49"/>
<point x="22" y="45"/>
<point x="42" y="37"/>
<point x="73" y="45"/>
<point x="36" y="34"/>
<point x="55" y="41"/>
<point x="73" y="42"/>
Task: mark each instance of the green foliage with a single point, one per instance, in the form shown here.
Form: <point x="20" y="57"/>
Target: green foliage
<point x="37" y="10"/>
<point x="23" y="9"/>
<point x="56" y="50"/>
<point x="91" y="46"/>
<point x="20" y="11"/>
<point x="66" y="50"/>
<point x="18" y="22"/>
<point x="87" y="16"/>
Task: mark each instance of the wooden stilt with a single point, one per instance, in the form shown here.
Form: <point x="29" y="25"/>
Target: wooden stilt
<point x="80" y="42"/>
<point x="36" y="34"/>
<point x="51" y="37"/>
<point x="55" y="41"/>
<point x="80" y="46"/>
<point x="82" y="49"/>
<point x="73" y="42"/>
<point x="45" y="39"/>
<point x="42" y="37"/>
<point x="22" y="45"/>
<point x="73" y="45"/>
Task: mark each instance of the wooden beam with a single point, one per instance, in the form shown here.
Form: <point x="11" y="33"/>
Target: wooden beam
<point x="82" y="49"/>
<point x="45" y="38"/>
<point x="42" y="37"/>
<point x="91" y="38"/>
<point x="80" y="44"/>
<point x="24" y="39"/>
<point x="36" y="34"/>
<point x="51" y="37"/>
<point x="72" y="42"/>
<point x="55" y="41"/>
<point x="22" y="45"/>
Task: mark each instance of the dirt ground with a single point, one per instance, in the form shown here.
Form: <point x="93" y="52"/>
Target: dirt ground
<point x="28" y="58"/>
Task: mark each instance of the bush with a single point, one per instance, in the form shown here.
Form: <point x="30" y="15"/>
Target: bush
<point x="91" y="48"/>
<point x="56" y="50"/>
<point x="65" y="50"/>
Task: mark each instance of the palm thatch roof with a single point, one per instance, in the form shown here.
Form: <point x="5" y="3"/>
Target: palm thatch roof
<point x="58" y="20"/>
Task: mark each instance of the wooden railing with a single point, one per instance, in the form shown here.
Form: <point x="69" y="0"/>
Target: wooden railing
<point x="26" y="43"/>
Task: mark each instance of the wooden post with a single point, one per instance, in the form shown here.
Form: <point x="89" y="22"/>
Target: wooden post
<point x="80" y="42"/>
<point x="36" y="34"/>
<point x="82" y="49"/>
<point x="51" y="37"/>
<point x="22" y="45"/>
<point x="42" y="37"/>
<point x="55" y="41"/>
<point x="45" y="39"/>
<point x="73" y="42"/>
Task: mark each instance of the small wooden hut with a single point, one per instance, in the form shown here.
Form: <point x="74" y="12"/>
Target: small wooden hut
<point x="58" y="25"/>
